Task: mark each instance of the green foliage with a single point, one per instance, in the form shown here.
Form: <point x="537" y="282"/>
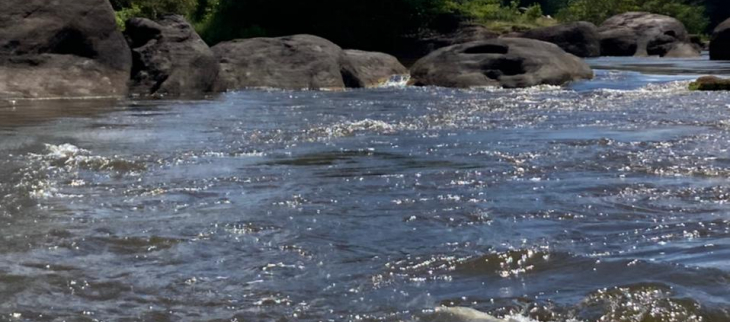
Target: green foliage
<point x="500" y="16"/>
<point x="126" y="13"/>
<point x="597" y="11"/>
<point x="155" y="8"/>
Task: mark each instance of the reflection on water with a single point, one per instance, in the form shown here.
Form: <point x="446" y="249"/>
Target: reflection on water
<point x="605" y="201"/>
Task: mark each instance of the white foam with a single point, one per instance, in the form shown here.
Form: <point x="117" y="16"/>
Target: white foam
<point x="396" y="81"/>
<point x="64" y="151"/>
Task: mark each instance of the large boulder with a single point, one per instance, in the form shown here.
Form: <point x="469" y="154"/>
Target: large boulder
<point x="720" y="42"/>
<point x="505" y="62"/>
<point x="292" y="62"/>
<point x="578" y="38"/>
<point x="169" y="58"/>
<point x="61" y="49"/>
<point x="645" y="34"/>
<point x="300" y="62"/>
<point x="362" y="69"/>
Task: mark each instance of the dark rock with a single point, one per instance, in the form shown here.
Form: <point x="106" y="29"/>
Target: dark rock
<point x="61" y="49"/>
<point x="506" y="62"/>
<point x="463" y="33"/>
<point x="645" y="34"/>
<point x="720" y="42"/>
<point x="578" y="38"/>
<point x="710" y="83"/>
<point x="170" y="59"/>
<point x="361" y="69"/>
<point x="292" y="62"/>
<point x="697" y="41"/>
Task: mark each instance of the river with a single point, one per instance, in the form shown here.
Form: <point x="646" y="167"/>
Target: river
<point x="608" y="200"/>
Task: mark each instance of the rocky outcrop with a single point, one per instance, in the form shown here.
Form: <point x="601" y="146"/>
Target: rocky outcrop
<point x="720" y="42"/>
<point x="362" y="69"/>
<point x="645" y="34"/>
<point x="299" y="62"/>
<point x="710" y="83"/>
<point x="578" y="38"/>
<point x="61" y="49"/>
<point x="505" y="62"/>
<point x="169" y="58"/>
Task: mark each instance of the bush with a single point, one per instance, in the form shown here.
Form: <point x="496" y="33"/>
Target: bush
<point x="124" y="14"/>
<point x="154" y="8"/>
<point x="597" y="11"/>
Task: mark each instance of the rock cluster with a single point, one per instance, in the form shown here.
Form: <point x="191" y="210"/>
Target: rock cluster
<point x="73" y="49"/>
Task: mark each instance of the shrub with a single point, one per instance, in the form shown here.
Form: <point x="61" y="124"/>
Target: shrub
<point x="596" y="11"/>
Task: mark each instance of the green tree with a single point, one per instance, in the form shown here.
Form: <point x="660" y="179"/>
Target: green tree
<point x="596" y="11"/>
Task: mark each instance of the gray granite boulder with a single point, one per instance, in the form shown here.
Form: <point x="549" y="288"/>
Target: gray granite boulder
<point x="578" y="38"/>
<point x="169" y="58"/>
<point x="363" y="69"/>
<point x="645" y="34"/>
<point x="505" y="62"/>
<point x="61" y="49"/>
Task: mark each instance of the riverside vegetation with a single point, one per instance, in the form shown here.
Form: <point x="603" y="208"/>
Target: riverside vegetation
<point x="381" y="24"/>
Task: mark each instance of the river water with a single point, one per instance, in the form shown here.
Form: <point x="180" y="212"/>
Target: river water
<point x="607" y="200"/>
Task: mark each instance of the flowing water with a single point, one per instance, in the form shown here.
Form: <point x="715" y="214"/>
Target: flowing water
<point x="608" y="200"/>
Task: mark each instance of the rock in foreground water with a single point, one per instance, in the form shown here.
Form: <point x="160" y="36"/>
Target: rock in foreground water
<point x="720" y="43"/>
<point x="578" y="38"/>
<point x="505" y="62"/>
<point x="61" y="49"/>
<point x="169" y="58"/>
<point x="710" y="83"/>
<point x="645" y="34"/>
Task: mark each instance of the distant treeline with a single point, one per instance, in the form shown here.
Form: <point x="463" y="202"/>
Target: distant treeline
<point x="383" y="24"/>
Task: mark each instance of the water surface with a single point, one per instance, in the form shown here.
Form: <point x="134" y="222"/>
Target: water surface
<point x="603" y="201"/>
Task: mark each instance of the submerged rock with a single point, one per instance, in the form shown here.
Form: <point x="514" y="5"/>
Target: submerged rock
<point x="461" y="314"/>
<point x="645" y="34"/>
<point x="169" y="58"/>
<point x="362" y="69"/>
<point x="300" y="62"/>
<point x="578" y="38"/>
<point x="710" y="83"/>
<point x="506" y="62"/>
<point x="720" y="42"/>
<point x="61" y="49"/>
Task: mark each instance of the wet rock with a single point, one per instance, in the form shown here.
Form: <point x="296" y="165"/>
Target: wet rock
<point x="292" y="62"/>
<point x="169" y="58"/>
<point x="361" y="69"/>
<point x="461" y="314"/>
<point x="506" y="62"/>
<point x="578" y="38"/>
<point x="720" y="42"/>
<point x="645" y="34"/>
<point x="710" y="83"/>
<point x="61" y="49"/>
